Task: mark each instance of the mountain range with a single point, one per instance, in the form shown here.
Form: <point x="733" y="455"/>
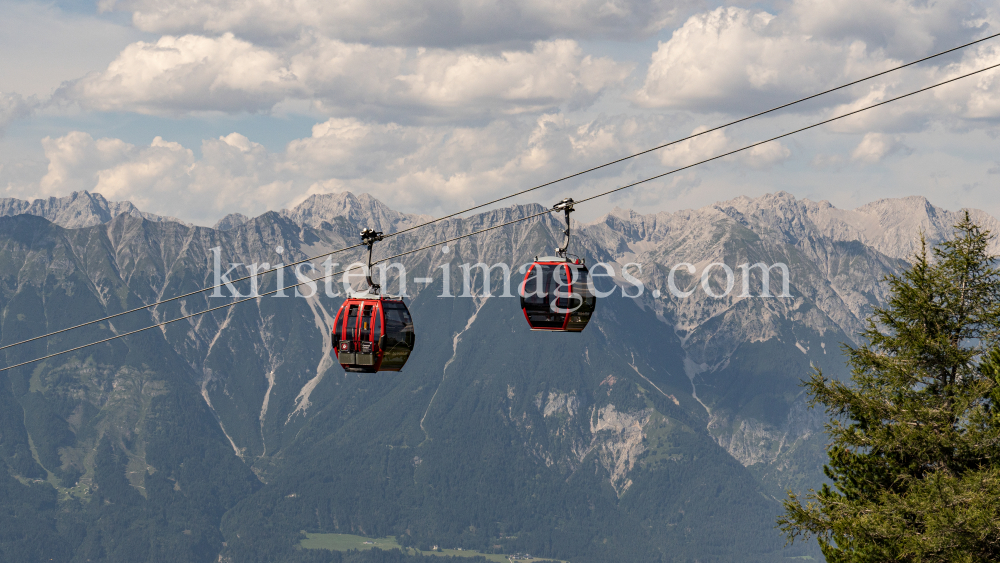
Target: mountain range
<point x="667" y="431"/>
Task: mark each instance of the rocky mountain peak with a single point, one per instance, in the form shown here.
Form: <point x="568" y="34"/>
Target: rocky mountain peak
<point x="231" y="221"/>
<point x="77" y="210"/>
<point x="361" y="209"/>
<point x="891" y="226"/>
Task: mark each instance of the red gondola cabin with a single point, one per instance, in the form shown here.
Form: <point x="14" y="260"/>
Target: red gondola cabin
<point x="373" y="333"/>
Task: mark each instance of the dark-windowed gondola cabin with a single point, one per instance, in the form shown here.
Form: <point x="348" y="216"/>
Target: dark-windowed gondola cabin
<point x="557" y="292"/>
<point x="556" y="295"/>
<point x="373" y="333"/>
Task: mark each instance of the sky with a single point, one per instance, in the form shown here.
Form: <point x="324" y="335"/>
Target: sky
<point x="196" y="109"/>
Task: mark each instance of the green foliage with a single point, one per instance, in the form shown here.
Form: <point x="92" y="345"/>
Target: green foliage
<point x="28" y="529"/>
<point x="368" y="464"/>
<point x="915" y="454"/>
<point x="141" y="449"/>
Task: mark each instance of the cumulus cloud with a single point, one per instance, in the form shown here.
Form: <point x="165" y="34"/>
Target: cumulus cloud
<point x="767" y="154"/>
<point x="440" y="23"/>
<point x="967" y="103"/>
<point x="456" y="83"/>
<point x="737" y="60"/>
<point x="978" y="97"/>
<point x="716" y="143"/>
<point x="13" y="106"/>
<point x="232" y="173"/>
<point x="876" y="146"/>
<point x="418" y="168"/>
<point x="423" y="168"/>
<point x="179" y="74"/>
<point x="432" y="168"/>
<point x="902" y="29"/>
<point x="436" y="105"/>
<point x="195" y="73"/>
<point x="553" y="72"/>
<point x="732" y="59"/>
<point x="697" y="149"/>
<point x="114" y="168"/>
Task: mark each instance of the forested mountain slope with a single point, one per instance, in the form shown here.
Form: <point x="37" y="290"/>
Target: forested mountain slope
<point x="664" y="432"/>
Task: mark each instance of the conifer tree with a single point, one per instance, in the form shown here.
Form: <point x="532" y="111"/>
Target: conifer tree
<point x="915" y="436"/>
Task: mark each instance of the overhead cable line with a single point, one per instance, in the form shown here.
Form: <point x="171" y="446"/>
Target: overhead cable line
<point x="547" y="211"/>
<point x="189" y="294"/>
<point x="515" y="194"/>
<point x="705" y="132"/>
<point x="783" y="135"/>
<point x="253" y="297"/>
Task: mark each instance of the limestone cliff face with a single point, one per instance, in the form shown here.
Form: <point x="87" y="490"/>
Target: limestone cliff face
<point x="836" y="261"/>
<point x="79" y="209"/>
<point x="620" y="441"/>
<point x="357" y="210"/>
<point x="658" y="386"/>
<point x="608" y="438"/>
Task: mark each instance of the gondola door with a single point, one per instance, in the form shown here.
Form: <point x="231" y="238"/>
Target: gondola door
<point x="366" y="346"/>
<point x="372" y="332"/>
<point x="348" y="340"/>
<point x="537" y="291"/>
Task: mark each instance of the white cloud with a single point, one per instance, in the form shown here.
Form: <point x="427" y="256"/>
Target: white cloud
<point x="420" y="168"/>
<point x="767" y="154"/>
<point x="876" y="146"/>
<point x="696" y="149"/>
<point x="417" y="168"/>
<point x="976" y="97"/>
<point x="349" y="149"/>
<point x="440" y="104"/>
<point x="903" y="29"/>
<point x="189" y="73"/>
<point x="716" y="143"/>
<point x="430" y="169"/>
<point x="116" y="169"/>
<point x="13" y="106"/>
<point x="437" y="169"/>
<point x="233" y="174"/>
<point x="738" y="60"/>
<point x="969" y="102"/>
<point x="553" y="72"/>
<point x="452" y="83"/>
<point x="732" y="59"/>
<point x="405" y="22"/>
<point x="195" y="73"/>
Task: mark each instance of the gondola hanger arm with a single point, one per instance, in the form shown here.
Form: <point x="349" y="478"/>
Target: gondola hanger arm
<point x="566" y="206"/>
<point x="369" y="237"/>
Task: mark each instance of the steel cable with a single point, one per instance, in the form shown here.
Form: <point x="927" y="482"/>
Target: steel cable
<point x="602" y="194"/>
<point x="522" y="192"/>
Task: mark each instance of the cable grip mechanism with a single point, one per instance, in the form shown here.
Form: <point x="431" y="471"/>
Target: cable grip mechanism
<point x="566" y="205"/>
<point x="369" y="237"/>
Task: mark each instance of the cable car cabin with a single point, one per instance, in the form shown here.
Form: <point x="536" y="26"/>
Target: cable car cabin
<point x="557" y="295"/>
<point x="373" y="333"/>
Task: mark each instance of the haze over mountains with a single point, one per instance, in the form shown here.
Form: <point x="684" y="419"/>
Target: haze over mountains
<point x="665" y="432"/>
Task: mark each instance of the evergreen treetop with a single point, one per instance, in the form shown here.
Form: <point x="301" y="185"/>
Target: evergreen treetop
<point x="915" y="437"/>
